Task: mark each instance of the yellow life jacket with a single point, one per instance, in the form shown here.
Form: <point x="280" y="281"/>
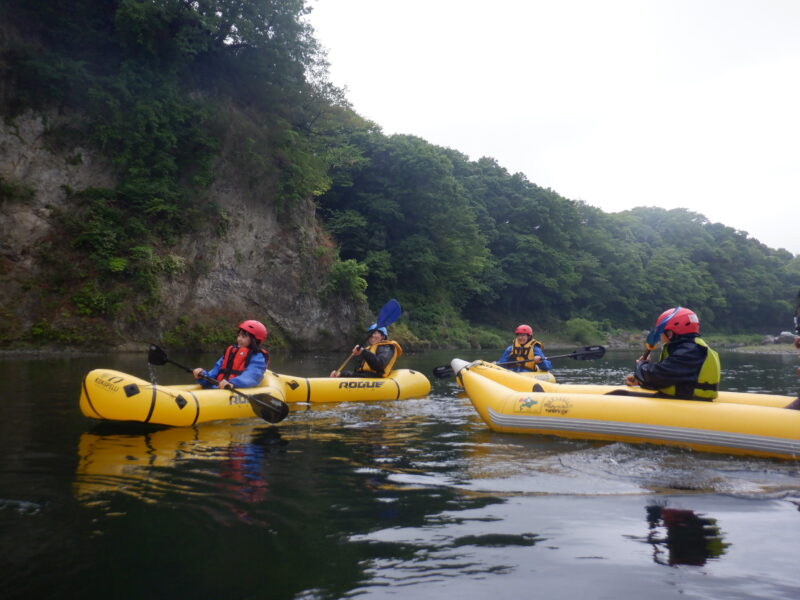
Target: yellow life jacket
<point x="707" y="385"/>
<point x="523" y="353"/>
<point x="398" y="351"/>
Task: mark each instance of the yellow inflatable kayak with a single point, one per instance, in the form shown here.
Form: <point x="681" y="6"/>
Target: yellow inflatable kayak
<point x="523" y="382"/>
<point x="116" y="396"/>
<point x="736" y="423"/>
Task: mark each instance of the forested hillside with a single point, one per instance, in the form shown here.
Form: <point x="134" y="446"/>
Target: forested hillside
<point x="454" y="236"/>
<point x="185" y="99"/>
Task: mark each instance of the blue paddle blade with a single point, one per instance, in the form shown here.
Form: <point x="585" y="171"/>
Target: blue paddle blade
<point x="654" y="336"/>
<point x="390" y="312"/>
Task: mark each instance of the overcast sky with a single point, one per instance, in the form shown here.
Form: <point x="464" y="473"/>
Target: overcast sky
<point x="619" y="103"/>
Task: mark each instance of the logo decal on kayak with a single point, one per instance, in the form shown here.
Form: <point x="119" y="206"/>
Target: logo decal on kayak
<point x="110" y="383"/>
<point x="558" y="406"/>
<point x="360" y="384"/>
<point x="236" y="399"/>
<point x="528" y="405"/>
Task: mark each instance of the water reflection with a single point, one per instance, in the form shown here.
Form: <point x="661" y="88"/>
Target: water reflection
<point x="152" y="465"/>
<point x="683" y="537"/>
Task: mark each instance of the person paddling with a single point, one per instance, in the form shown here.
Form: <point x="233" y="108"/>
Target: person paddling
<point x="797" y="329"/>
<point x="525" y="353"/>
<point x="796" y="404"/>
<point x="377" y="358"/>
<point x="687" y="367"/>
<point x="243" y="364"/>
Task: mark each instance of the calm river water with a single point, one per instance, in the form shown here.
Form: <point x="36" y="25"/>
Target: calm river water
<point x="400" y="499"/>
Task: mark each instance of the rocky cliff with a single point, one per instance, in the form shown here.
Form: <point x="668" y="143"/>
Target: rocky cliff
<point x="262" y="267"/>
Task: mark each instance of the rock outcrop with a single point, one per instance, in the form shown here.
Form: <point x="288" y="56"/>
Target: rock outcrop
<point x="262" y="267"/>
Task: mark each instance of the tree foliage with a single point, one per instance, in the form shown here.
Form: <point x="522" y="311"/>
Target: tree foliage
<point x="165" y="84"/>
<point x="501" y="249"/>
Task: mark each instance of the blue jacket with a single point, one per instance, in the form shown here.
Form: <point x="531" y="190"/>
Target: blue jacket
<point x="543" y="366"/>
<point x="251" y="376"/>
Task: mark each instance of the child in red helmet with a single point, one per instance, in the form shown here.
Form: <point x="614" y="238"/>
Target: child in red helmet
<point x="687" y="367"/>
<point x="525" y="353"/>
<point x="243" y="364"/>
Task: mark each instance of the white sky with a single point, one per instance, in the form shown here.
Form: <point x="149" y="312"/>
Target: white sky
<point x="619" y="103"/>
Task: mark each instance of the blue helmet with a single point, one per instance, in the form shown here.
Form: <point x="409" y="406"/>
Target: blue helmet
<point x="374" y="327"/>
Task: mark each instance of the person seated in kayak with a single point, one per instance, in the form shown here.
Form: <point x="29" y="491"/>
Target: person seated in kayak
<point x="241" y="365"/>
<point x="797" y="330"/>
<point x="525" y="353"/>
<point x="796" y="404"/>
<point x="687" y="367"/>
<point x="377" y="358"/>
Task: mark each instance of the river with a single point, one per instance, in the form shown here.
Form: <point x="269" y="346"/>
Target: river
<point x="413" y="498"/>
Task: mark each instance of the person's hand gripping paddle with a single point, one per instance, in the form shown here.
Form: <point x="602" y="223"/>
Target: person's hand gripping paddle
<point x="390" y="312"/>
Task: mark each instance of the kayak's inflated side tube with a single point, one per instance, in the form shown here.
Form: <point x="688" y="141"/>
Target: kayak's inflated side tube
<point x="523" y="383"/>
<point x="116" y="396"/>
<point x="112" y="395"/>
<point x="401" y="384"/>
<point x="727" y="427"/>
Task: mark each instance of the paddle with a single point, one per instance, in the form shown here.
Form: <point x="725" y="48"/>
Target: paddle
<point x="654" y="337"/>
<point x="390" y="312"/>
<point x="651" y="343"/>
<point x="585" y="353"/>
<point x="269" y="408"/>
<point x="631" y="379"/>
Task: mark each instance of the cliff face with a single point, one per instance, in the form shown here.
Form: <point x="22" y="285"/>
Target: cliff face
<point x="263" y="267"/>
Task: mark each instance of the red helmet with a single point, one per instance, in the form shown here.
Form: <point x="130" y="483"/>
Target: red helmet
<point x="680" y="320"/>
<point x="524" y="329"/>
<point x="256" y="328"/>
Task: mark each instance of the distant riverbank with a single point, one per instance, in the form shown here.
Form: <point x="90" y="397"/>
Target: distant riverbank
<point x="553" y="341"/>
<point x="768" y="349"/>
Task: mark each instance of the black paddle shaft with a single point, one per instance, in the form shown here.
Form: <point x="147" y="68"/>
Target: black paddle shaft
<point x="585" y="353"/>
<point x="269" y="408"/>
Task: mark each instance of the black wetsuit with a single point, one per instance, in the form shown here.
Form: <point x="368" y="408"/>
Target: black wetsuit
<point x="377" y="361"/>
<point x="681" y="368"/>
